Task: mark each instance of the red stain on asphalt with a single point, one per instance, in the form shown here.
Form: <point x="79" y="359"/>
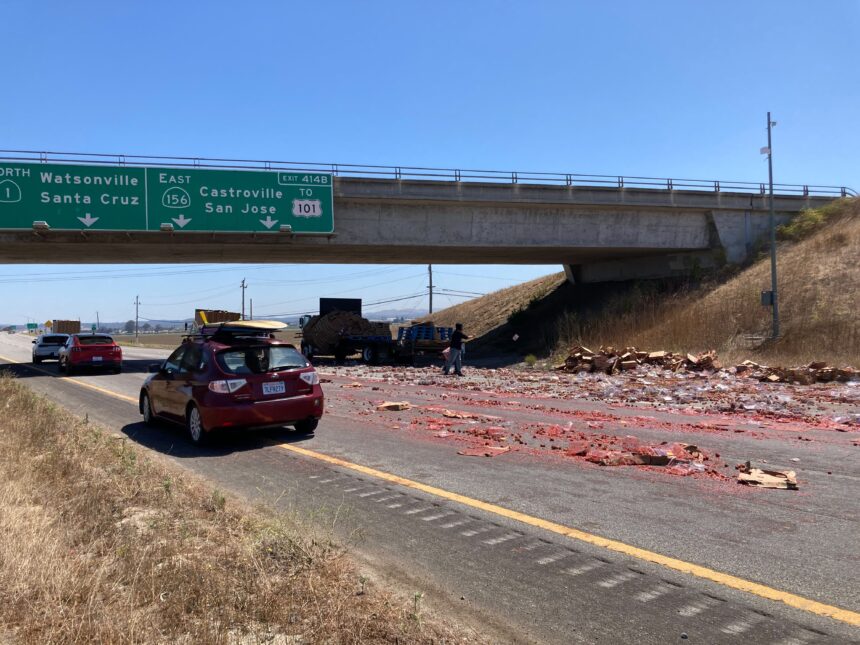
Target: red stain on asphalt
<point x="534" y="416"/>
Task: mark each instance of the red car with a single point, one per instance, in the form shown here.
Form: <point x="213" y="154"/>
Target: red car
<point x="89" y="351"/>
<point x="234" y="376"/>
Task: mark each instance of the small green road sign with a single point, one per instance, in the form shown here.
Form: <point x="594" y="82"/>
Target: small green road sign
<point x="32" y="326"/>
<point x="93" y="327"/>
<point x="119" y="198"/>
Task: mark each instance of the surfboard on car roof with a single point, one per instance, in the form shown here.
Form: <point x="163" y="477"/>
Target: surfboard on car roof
<point x="262" y="325"/>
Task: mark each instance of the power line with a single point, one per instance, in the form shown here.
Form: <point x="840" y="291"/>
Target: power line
<point x="472" y="275"/>
<point x="98" y="271"/>
<point x="200" y="294"/>
<point x="339" y="293"/>
<point x="353" y="275"/>
<point x="367" y="304"/>
<point x="460" y="292"/>
<point x="73" y="278"/>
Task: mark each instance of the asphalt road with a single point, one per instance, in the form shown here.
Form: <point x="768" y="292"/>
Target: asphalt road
<point x="530" y="583"/>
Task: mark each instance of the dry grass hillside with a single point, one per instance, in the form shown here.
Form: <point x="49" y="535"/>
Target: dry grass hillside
<point x="819" y="290"/>
<point x="482" y="315"/>
<point x="819" y="287"/>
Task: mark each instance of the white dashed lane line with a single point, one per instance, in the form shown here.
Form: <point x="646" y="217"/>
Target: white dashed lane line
<point x="555" y="557"/>
<point x="503" y="538"/>
<point x="583" y="568"/>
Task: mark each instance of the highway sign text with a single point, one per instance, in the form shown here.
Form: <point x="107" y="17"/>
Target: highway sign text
<point x="120" y="198"/>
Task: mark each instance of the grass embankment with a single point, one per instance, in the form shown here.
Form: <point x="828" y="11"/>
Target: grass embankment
<point x="102" y="545"/>
<point x="818" y="280"/>
<point x="819" y="283"/>
<point x="482" y="315"/>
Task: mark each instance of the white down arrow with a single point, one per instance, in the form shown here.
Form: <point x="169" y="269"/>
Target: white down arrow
<point x="89" y="220"/>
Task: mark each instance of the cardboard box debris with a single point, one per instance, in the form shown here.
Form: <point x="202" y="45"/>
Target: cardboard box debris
<point x="457" y="414"/>
<point x="609" y="360"/>
<point x="394" y="406"/>
<point x="786" y="480"/>
<point x="484" y="451"/>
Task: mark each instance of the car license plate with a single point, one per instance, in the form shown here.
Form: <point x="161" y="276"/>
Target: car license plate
<point x="274" y="388"/>
<point x="97" y="359"/>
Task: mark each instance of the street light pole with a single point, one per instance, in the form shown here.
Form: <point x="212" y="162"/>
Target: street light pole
<point x="430" y="286"/>
<point x="773" y="287"/>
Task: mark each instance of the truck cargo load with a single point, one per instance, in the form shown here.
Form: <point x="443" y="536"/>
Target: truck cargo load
<point x="344" y="333"/>
<point x="66" y="326"/>
<point x="211" y="316"/>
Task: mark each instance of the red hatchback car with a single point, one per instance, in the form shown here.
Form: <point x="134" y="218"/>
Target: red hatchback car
<point x="234" y="377"/>
<point x="89" y="350"/>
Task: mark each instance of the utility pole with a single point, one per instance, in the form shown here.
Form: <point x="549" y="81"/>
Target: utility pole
<point x="136" y="318"/>
<point x="430" y="286"/>
<point x="773" y="288"/>
<point x="98" y="324"/>
<point x="252" y="309"/>
<point x="243" y="286"/>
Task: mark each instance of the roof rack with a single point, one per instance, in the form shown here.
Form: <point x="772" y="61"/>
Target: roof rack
<point x="236" y="330"/>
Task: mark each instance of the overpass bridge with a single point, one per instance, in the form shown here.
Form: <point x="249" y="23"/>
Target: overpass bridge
<point x="598" y="227"/>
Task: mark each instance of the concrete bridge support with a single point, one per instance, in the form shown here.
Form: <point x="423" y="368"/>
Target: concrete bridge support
<point x="733" y="238"/>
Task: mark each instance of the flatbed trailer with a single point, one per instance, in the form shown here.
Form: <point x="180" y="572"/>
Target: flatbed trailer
<point x="411" y="341"/>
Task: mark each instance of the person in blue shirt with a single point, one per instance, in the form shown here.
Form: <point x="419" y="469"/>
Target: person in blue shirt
<point x="455" y="351"/>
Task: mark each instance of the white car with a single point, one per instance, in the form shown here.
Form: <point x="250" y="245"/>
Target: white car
<point x="48" y="347"/>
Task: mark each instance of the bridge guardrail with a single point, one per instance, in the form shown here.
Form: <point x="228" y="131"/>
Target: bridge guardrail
<point x="569" y="180"/>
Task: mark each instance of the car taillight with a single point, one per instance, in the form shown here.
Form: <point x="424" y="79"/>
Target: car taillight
<point x="77" y="349"/>
<point x="228" y="386"/>
<point x="311" y="378"/>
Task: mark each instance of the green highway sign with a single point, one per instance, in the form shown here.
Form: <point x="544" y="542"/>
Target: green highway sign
<point x="121" y="198"/>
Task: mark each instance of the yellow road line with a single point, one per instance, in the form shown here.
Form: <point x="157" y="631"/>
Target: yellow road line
<point x="101" y="390"/>
<point x="727" y="580"/>
<point x="733" y="582"/>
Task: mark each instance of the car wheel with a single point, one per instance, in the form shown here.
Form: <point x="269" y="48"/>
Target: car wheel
<point x="60" y="367"/>
<point x="69" y="369"/>
<point x="146" y="410"/>
<point x="307" y="426"/>
<point x="370" y="355"/>
<point x="195" y="425"/>
<point x="117" y="369"/>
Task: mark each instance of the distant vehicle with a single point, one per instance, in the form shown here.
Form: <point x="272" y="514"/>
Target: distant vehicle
<point x="234" y="375"/>
<point x="90" y="351"/>
<point x="48" y="346"/>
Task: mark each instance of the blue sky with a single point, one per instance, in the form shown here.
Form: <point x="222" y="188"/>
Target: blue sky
<point x="668" y="89"/>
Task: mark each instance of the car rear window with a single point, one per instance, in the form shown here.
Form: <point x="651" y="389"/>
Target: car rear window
<point x="260" y="359"/>
<point x="54" y="340"/>
<point x="95" y="340"/>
